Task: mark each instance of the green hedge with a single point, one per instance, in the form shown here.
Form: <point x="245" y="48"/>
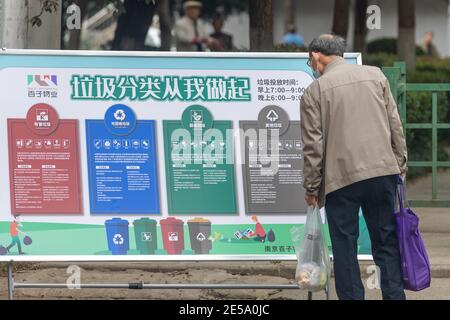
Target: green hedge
<point x="428" y="70"/>
<point x="387" y="45"/>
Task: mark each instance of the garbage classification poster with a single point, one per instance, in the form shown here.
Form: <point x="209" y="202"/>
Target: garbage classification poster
<point x="110" y="156"/>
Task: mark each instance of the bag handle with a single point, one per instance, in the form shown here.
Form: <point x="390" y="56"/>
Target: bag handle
<point x="402" y="194"/>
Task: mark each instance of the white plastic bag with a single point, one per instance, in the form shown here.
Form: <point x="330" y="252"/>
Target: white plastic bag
<point x="313" y="266"/>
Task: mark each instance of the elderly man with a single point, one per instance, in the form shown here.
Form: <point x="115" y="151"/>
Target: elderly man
<point x="354" y="151"/>
<point x="190" y="34"/>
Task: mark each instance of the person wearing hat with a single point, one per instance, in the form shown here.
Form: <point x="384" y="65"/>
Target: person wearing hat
<point x="190" y="34"/>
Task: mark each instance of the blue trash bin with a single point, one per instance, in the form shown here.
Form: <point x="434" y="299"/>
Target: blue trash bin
<point x="118" y="236"/>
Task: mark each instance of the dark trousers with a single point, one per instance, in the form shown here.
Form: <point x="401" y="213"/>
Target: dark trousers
<point x="376" y="197"/>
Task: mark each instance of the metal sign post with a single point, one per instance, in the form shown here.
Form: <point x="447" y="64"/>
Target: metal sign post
<point x="12" y="285"/>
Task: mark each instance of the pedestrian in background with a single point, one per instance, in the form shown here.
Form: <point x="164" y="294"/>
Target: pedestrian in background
<point x="224" y="41"/>
<point x="189" y="31"/>
<point x="428" y="45"/>
<point x="292" y="38"/>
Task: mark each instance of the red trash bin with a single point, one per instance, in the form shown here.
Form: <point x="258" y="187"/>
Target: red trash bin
<point x="173" y="235"/>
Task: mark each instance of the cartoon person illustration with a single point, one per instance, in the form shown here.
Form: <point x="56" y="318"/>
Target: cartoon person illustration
<point x="14" y="232"/>
<point x="259" y="234"/>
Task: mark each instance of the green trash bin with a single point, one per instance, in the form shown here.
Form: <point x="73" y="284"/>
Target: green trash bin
<point x="146" y="236"/>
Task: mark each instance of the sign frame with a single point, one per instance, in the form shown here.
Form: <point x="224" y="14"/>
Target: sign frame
<point x="18" y="53"/>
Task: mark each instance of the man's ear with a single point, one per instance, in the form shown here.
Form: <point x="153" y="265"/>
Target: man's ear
<point x="316" y="55"/>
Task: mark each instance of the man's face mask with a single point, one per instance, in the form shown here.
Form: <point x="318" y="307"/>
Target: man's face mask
<point x="316" y="74"/>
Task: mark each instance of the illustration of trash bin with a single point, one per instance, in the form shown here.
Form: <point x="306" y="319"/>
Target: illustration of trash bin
<point x="172" y="235"/>
<point x="199" y="233"/>
<point x="145" y="234"/>
<point x="118" y="237"/>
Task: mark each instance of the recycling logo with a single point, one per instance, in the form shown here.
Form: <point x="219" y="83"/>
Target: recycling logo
<point x="272" y="116"/>
<point x="120" y="120"/>
<point x="119" y="115"/>
<point x="118" y="239"/>
<point x="201" y="237"/>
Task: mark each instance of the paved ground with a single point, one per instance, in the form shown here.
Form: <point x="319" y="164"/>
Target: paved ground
<point x="420" y="188"/>
<point x="191" y="273"/>
<point x="435" y="226"/>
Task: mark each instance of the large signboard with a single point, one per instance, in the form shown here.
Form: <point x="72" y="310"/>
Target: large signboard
<point x="151" y="156"/>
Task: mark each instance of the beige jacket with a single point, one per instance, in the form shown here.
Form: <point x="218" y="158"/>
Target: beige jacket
<point x="350" y="127"/>
<point x="184" y="32"/>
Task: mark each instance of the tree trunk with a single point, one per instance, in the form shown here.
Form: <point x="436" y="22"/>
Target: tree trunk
<point x="261" y="25"/>
<point x="340" y="17"/>
<point x="47" y="35"/>
<point x="406" y="45"/>
<point x="289" y="14"/>
<point x="133" y="25"/>
<point x="359" y="42"/>
<point x="18" y="32"/>
<point x="75" y="35"/>
<point x="15" y="24"/>
<point x="165" y="23"/>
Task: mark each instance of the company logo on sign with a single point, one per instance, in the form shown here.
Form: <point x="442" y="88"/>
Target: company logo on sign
<point x="42" y="86"/>
<point x="42" y="80"/>
<point x="173" y="236"/>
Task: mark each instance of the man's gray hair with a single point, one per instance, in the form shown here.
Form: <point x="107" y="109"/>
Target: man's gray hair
<point x="328" y="44"/>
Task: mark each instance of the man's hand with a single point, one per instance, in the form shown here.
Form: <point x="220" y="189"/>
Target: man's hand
<point x="311" y="200"/>
<point x="403" y="175"/>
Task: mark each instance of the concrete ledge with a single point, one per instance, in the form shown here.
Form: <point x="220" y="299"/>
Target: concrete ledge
<point x="279" y="269"/>
<point x="433" y="220"/>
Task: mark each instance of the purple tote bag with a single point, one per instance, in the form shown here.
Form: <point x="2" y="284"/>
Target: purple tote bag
<point x="415" y="264"/>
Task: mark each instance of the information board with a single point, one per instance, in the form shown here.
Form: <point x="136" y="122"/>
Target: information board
<point x="151" y="156"/>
